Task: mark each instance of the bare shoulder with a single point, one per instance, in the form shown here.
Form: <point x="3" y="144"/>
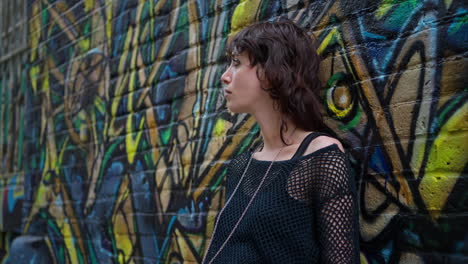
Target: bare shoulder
<point x="322" y="142"/>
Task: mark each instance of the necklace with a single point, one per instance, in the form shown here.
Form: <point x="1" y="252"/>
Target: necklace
<point x="245" y="210"/>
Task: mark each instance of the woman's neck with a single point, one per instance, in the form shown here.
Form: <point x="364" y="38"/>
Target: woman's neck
<point x="270" y="125"/>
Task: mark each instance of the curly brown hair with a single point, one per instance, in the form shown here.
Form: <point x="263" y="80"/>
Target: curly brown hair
<point x="289" y="66"/>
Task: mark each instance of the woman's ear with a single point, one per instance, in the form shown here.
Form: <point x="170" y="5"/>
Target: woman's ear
<point x="264" y="82"/>
<point x="276" y="105"/>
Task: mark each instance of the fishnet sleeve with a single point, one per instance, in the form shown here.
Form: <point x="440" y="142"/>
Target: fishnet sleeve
<point x="335" y="207"/>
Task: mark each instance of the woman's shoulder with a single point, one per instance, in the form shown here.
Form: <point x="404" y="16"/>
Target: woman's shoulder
<point x="323" y="142"/>
<point x="327" y="160"/>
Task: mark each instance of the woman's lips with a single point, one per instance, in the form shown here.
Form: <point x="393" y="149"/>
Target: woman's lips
<point x="227" y="92"/>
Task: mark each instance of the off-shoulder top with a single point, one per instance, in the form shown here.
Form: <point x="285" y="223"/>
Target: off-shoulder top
<point x="305" y="212"/>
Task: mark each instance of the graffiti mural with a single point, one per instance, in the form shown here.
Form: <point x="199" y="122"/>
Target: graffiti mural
<point x="13" y="86"/>
<point x="391" y="89"/>
<point x="126" y="134"/>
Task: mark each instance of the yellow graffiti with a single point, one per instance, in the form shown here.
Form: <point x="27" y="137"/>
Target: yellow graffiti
<point x="34" y="31"/>
<point x="122" y="237"/>
<point x="123" y="232"/>
<point x="363" y="259"/>
<point x="33" y="76"/>
<point x="447" y="159"/>
<point x="84" y="45"/>
<point x="220" y="128"/>
<point x="329" y="38"/>
<point x="109" y="23"/>
<point x="130" y="143"/>
<point x="388" y="5"/>
<point x="45" y="84"/>
<point x="68" y="239"/>
<point x="332" y="106"/>
<point x="88" y="5"/>
<point x="448" y="3"/>
<point x="384" y="8"/>
<point x="244" y="14"/>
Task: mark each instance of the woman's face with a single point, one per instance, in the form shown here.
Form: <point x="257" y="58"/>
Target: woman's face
<point x="242" y="90"/>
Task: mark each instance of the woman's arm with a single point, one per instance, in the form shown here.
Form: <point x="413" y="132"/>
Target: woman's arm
<point x="335" y="207"/>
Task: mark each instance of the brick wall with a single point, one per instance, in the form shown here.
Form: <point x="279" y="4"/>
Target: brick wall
<point x="13" y="86"/>
<point x="114" y="134"/>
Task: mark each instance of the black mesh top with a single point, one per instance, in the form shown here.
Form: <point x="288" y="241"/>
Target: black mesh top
<point x="305" y="212"/>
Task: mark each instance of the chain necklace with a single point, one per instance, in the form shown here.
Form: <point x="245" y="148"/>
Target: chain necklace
<point x="245" y="210"/>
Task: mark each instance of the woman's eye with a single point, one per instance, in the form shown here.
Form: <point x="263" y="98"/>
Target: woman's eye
<point x="235" y="62"/>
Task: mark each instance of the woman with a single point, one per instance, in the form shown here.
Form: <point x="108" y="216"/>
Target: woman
<point x="292" y="200"/>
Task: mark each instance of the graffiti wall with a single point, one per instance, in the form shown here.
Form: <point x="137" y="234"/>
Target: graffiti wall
<point x="13" y="86"/>
<point x="123" y="135"/>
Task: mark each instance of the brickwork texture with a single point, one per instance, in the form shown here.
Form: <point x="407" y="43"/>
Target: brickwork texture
<point x="114" y="135"/>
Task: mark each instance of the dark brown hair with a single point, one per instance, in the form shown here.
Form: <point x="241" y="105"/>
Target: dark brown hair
<point x="289" y="66"/>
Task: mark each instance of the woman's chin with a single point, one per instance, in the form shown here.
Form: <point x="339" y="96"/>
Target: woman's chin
<point x="233" y="109"/>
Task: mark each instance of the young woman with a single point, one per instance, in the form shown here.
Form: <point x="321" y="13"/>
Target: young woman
<point x="293" y="199"/>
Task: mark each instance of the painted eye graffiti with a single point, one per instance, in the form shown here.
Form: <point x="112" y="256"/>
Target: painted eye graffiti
<point x="340" y="99"/>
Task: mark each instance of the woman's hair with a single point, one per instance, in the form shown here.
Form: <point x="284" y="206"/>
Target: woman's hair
<point x="289" y="68"/>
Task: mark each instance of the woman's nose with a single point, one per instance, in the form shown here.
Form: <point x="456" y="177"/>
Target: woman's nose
<point x="226" y="77"/>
